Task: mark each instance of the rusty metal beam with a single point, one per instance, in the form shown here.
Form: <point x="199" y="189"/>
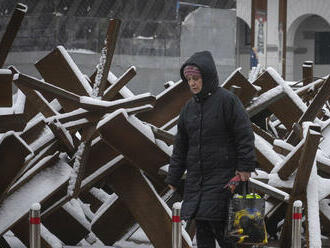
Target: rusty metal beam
<point x="264" y="163"/>
<point x="266" y="82"/>
<point x="265" y="135"/>
<point x="39" y="103"/>
<point x="86" y="184"/>
<point x="143" y="203"/>
<point x="266" y="102"/>
<point x="66" y="226"/>
<point x="48" y="161"/>
<point x="114" y="89"/>
<point x="60" y="172"/>
<point x="11" y="31"/>
<point x="266" y="189"/>
<point x="42" y="86"/>
<point x="300" y="184"/>
<point x="292" y="162"/>
<point x="291" y="113"/>
<point x="324" y="219"/>
<point x="163" y="135"/>
<point x="13" y="122"/>
<point x="261" y="152"/>
<point x="274" y="216"/>
<point x="63" y="136"/>
<point x="168" y="105"/>
<point x="313" y="109"/>
<point x="111" y="40"/>
<point x="118" y="216"/>
<point x="13" y="151"/>
<point x="247" y="92"/>
<point x="6" y="98"/>
<point x="117" y="130"/>
<point x="76" y="101"/>
<point x="65" y="74"/>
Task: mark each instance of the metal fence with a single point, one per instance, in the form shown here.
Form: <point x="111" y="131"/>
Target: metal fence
<point x="149" y="27"/>
<point x="44" y="32"/>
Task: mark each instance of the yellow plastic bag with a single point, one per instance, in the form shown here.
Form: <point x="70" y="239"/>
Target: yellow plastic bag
<point x="246" y="223"/>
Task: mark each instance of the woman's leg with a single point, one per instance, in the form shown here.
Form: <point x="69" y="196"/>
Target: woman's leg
<point x="218" y="228"/>
<point x="204" y="234"/>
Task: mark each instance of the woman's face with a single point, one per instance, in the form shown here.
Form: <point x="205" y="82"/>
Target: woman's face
<point x="195" y="83"/>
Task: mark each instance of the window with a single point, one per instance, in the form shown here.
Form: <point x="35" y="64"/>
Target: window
<point x="322" y="48"/>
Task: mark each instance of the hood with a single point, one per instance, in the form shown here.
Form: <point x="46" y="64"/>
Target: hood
<point x="204" y="61"/>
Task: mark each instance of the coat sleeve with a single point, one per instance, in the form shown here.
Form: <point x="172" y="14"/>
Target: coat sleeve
<point x="241" y="130"/>
<point x="178" y="159"/>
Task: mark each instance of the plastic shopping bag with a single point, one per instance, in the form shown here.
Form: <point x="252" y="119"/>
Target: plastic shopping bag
<point x="246" y="223"/>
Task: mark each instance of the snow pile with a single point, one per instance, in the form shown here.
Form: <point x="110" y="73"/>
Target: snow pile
<point x="35" y="207"/>
<point x="254" y="73"/>
<point x="98" y="102"/>
<point x="283" y="144"/>
<point x="265" y="97"/>
<point x="313" y="210"/>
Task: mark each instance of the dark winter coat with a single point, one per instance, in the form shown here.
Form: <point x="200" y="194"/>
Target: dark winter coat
<point x="214" y="139"/>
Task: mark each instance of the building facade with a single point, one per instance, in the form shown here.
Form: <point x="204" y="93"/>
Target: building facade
<point x="308" y="36"/>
